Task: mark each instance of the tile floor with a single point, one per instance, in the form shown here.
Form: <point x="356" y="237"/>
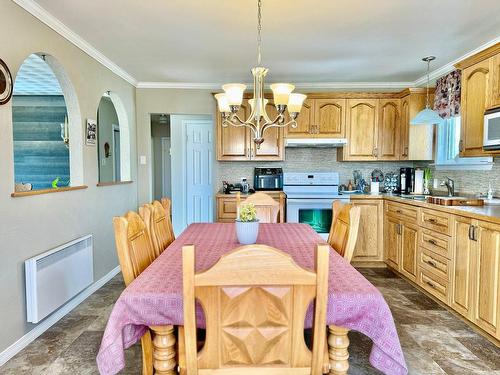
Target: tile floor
<point x="433" y="340"/>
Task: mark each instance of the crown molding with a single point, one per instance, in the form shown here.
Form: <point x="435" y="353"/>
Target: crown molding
<point x="41" y="14"/>
<point x="303" y="85"/>
<point x="445" y="69"/>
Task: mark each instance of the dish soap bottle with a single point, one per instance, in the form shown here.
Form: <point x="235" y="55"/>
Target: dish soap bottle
<point x="489" y="195"/>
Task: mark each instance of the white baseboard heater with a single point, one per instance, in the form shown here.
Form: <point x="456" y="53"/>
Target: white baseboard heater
<point x="56" y="276"/>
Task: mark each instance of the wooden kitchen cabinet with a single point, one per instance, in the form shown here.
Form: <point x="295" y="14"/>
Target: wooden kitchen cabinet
<point x="361" y="130"/>
<point x="416" y="142"/>
<point x="409" y="245"/>
<point x="226" y="206"/>
<point x="462" y="266"/>
<point x="475" y="89"/>
<point x="236" y="143"/>
<point x="369" y="246"/>
<point x="320" y="118"/>
<point x="494" y="86"/>
<point x="389" y="124"/>
<point x="392" y="241"/>
<point x="486" y="283"/>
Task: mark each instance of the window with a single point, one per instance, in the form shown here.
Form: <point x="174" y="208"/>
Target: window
<point x="113" y="140"/>
<point x="447" y="149"/>
<point x="45" y="113"/>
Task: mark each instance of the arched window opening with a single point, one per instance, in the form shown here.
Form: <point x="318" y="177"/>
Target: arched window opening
<point x="45" y="118"/>
<point x="113" y="139"/>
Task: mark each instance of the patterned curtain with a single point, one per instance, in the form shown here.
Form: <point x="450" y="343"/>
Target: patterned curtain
<point x="447" y="97"/>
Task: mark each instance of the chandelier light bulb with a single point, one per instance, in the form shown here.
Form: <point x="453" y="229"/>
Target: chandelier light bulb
<point x="234" y="93"/>
<point x="222" y="103"/>
<point x="281" y="92"/>
<point x="295" y="102"/>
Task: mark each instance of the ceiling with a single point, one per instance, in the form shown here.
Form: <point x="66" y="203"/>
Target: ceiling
<point x="35" y="77"/>
<point x="308" y="42"/>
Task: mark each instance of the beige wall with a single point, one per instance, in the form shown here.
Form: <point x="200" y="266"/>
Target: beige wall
<point x="106" y="118"/>
<point x="32" y="225"/>
<point x="170" y="101"/>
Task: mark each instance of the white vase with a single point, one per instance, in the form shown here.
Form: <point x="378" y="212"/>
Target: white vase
<point x="247" y="231"/>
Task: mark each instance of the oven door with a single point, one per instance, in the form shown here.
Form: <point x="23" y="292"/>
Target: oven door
<point x="315" y="212"/>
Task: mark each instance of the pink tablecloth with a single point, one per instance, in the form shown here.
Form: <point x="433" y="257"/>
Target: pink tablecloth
<point x="155" y="297"/>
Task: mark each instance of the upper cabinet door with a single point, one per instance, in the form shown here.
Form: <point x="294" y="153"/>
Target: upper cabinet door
<point x="361" y="129"/>
<point x="329" y="118"/>
<point x="389" y="129"/>
<point x="404" y="128"/>
<point x="304" y="122"/>
<point x="273" y="145"/>
<point x="494" y="92"/>
<point x="475" y="81"/>
<point x="233" y="143"/>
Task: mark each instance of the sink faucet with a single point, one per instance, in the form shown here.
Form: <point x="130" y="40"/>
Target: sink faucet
<point x="450" y="185"/>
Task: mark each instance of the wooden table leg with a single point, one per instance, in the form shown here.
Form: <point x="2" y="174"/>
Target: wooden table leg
<point x="164" y="350"/>
<point x="338" y="344"/>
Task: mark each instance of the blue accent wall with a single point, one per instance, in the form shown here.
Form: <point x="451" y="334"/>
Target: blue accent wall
<point x="40" y="154"/>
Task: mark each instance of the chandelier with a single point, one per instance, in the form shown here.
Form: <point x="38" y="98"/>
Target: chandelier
<point x="230" y="101"/>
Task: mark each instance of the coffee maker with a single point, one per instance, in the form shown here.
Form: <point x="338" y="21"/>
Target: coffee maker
<point x="406" y="180"/>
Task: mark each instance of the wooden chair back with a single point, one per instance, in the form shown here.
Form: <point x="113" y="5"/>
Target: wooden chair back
<point x="133" y="245"/>
<point x="255" y="300"/>
<point x="135" y="254"/>
<point x="159" y="226"/>
<point x="344" y="229"/>
<point x="267" y="208"/>
<point x="167" y="205"/>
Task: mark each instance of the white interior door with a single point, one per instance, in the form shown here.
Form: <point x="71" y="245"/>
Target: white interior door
<point x="199" y="164"/>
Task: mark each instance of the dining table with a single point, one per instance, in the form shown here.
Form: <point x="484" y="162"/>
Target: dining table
<point x="154" y="300"/>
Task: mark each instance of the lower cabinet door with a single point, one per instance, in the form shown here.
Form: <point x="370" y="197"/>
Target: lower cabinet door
<point x="392" y="241"/>
<point x="369" y="246"/>
<point x="487" y="274"/>
<point x="409" y="245"/>
<point x="461" y="278"/>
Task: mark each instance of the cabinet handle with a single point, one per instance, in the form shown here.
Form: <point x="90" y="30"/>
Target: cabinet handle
<point x="400" y="229"/>
<point x="474" y="232"/>
<point x="471" y="232"/>
<point x="399" y="211"/>
<point x="430" y="262"/>
<point x="431" y="220"/>
<point x="375" y="152"/>
<point x="461" y="145"/>
<point x="405" y="152"/>
<point x="430" y="284"/>
<point x="433" y="242"/>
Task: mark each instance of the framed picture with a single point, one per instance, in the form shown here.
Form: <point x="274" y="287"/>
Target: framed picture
<point x="5" y="83"/>
<point x="91" y="133"/>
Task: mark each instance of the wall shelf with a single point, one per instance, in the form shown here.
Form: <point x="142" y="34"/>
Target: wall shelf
<point x="46" y="191"/>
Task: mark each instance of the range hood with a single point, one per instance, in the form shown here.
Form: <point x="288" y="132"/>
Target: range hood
<point x="315" y="142"/>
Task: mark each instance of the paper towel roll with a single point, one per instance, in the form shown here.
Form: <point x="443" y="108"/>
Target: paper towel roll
<point x="419" y="181"/>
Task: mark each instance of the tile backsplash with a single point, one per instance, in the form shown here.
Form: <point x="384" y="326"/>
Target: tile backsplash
<point x="471" y="182"/>
<point x="307" y="160"/>
<point x="325" y="159"/>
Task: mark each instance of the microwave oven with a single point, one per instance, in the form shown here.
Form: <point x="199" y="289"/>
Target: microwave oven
<point x="491" y="134"/>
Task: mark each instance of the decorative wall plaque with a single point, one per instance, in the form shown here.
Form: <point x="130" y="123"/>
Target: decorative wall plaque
<point x="5" y="83"/>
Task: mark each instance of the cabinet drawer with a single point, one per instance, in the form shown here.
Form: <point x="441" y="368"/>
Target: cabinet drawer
<point x="437" y="264"/>
<point x="402" y="211"/>
<point x="435" y="285"/>
<point x="437" y="221"/>
<point x="436" y="242"/>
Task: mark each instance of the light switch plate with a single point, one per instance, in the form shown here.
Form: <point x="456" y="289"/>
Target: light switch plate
<point x="142" y="160"/>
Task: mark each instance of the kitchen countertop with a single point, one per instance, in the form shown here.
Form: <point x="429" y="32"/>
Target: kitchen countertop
<point x="486" y="213"/>
<point x="270" y="192"/>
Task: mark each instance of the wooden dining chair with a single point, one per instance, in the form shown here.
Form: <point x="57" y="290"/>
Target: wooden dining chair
<point x="159" y="226"/>
<point x="255" y="300"/>
<point x="267" y="208"/>
<point x="344" y="229"/>
<point x="135" y="254"/>
<point x="167" y="205"/>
